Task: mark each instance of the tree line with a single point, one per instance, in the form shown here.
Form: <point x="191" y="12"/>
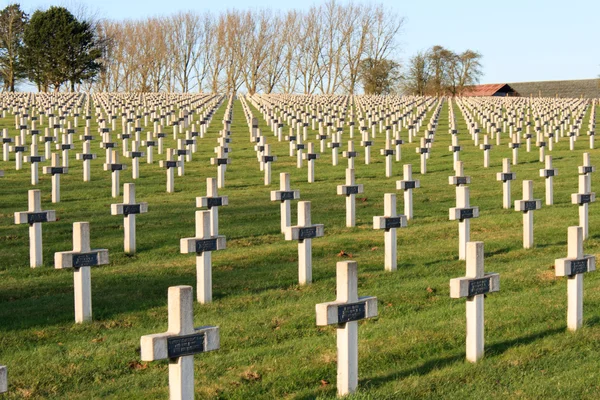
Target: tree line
<point x="330" y="48"/>
<point x="439" y="71"/>
<point x="51" y="48"/>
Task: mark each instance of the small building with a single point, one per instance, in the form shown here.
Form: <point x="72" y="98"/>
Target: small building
<point x="580" y="88"/>
<point x="494" y="89"/>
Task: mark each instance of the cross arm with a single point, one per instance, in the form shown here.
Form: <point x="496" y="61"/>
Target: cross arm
<point x="206" y="201"/>
<point x="459" y="180"/>
<point x="72" y="259"/>
<point x="528" y="205"/>
<point x="468" y="287"/>
<point x="282" y="195"/>
<point x="547" y="173"/>
<point x="569" y="266"/>
<point x="304" y="232"/>
<point x="334" y="312"/>
<point x="197" y="245"/>
<point x="349" y="189"/>
<point x="583" y="198"/>
<point x="160" y="346"/>
<point x="460" y="213"/>
<point x="405" y="185"/>
<point x="386" y="223"/>
<point x="121" y="208"/>
<point x="28" y="217"/>
<point x="506" y="176"/>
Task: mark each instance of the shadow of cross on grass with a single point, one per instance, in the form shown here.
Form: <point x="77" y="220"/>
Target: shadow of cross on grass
<point x="491" y="350"/>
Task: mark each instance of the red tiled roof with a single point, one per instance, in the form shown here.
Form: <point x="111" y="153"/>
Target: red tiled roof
<point x="483" y="90"/>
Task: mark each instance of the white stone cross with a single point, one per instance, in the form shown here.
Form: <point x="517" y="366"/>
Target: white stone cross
<point x="366" y="143"/>
<point x="486" y="147"/>
<point x="18" y="149"/>
<point x="129" y="208"/>
<point x="586" y="168"/>
<point x="542" y="146"/>
<point x="583" y="198"/>
<point x="474" y="286"/>
<point x="86" y="157"/>
<point x="345" y="312"/>
<point x="267" y="159"/>
<point x="573" y="267"/>
<point x="115" y="168"/>
<point x="350" y="190"/>
<point x="388" y="153"/>
<point x="34" y="217"/>
<point x="311" y="156"/>
<point x="463" y="212"/>
<point x="506" y="176"/>
<point x="459" y="179"/>
<point x="527" y="206"/>
<point x="285" y="195"/>
<point x="135" y="156"/>
<point x="180" y="343"/>
<point x="150" y="143"/>
<point x="351" y="154"/>
<point x="182" y="152"/>
<point x="514" y="145"/>
<point x="549" y="173"/>
<point x="170" y="164"/>
<point x="304" y="232"/>
<point x="408" y="184"/>
<point x="334" y="145"/>
<point x="212" y="201"/>
<point x="299" y="151"/>
<point x="221" y="161"/>
<point x="3" y="379"/>
<point x="390" y="221"/>
<point x="56" y="171"/>
<point x="423" y="150"/>
<point x="455" y="148"/>
<point x="203" y="245"/>
<point x="34" y="160"/>
<point x="81" y="259"/>
<point x="65" y="146"/>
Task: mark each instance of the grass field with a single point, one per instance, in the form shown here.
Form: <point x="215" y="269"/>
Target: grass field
<point x="270" y="345"/>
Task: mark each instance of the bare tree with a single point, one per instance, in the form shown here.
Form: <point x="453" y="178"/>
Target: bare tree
<point x="186" y="32"/>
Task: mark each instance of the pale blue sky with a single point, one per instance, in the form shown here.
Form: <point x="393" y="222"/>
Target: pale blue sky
<point x="522" y="40"/>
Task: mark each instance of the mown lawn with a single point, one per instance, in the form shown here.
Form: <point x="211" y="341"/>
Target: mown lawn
<point x="270" y="345"/>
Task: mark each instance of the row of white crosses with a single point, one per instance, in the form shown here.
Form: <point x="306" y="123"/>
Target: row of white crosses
<point x="182" y="340"/>
<point x="207" y="239"/>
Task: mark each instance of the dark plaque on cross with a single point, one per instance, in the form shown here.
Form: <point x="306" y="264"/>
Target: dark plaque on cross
<point x="214" y="202"/>
<point x="478" y="286"/>
<point x="287" y="196"/>
<point x="530" y="205"/>
<point x="579" y="266"/>
<point x="351" y="190"/>
<point x="585" y="198"/>
<point x="466" y="213"/>
<point x="351" y="312"/>
<point x="203" y="245"/>
<point x="131" y="209"/>
<point x="393" y="222"/>
<point x="85" y="260"/>
<point x="178" y="346"/>
<point x="307" y="232"/>
<point x="33" y="218"/>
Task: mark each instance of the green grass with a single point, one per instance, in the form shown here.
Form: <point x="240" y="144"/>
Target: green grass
<point x="270" y="345"/>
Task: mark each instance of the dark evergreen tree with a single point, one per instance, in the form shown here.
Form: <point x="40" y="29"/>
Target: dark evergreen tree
<point x="58" y="49"/>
